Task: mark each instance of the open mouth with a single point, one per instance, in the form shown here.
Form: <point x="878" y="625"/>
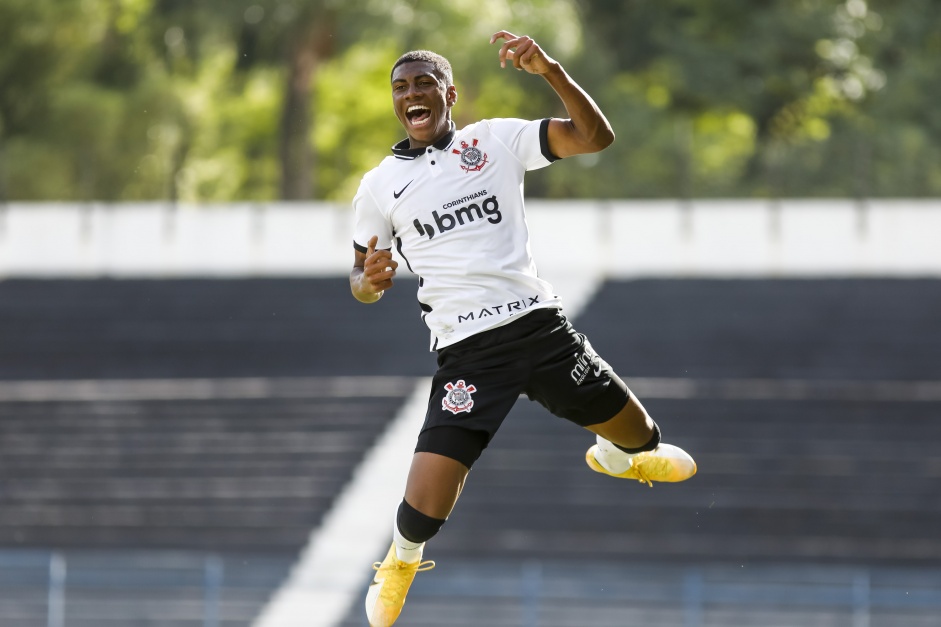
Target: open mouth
<point x="418" y="115"/>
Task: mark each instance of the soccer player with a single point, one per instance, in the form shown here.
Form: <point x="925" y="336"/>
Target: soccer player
<point x="451" y="202"/>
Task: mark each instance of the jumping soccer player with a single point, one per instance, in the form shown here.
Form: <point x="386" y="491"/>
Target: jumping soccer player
<point x="451" y="202"/>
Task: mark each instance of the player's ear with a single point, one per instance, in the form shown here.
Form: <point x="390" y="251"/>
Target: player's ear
<point x="451" y="96"/>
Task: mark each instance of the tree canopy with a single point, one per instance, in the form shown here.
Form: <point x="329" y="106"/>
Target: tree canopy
<point x="255" y="100"/>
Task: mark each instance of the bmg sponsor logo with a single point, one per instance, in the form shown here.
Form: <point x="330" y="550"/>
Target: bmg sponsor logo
<point x="446" y="221"/>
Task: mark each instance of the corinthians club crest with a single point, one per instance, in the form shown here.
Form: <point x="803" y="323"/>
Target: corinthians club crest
<point x="458" y="398"/>
<point x="473" y="159"/>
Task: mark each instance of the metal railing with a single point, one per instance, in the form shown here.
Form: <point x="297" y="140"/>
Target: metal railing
<point x="862" y="596"/>
<point x="59" y="589"/>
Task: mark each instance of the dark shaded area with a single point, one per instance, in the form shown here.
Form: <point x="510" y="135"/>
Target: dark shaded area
<point x="214" y="475"/>
<point x="844" y="481"/>
<point x="810" y="329"/>
<point x="818" y="481"/>
<point x="125" y="329"/>
<point x="848" y="481"/>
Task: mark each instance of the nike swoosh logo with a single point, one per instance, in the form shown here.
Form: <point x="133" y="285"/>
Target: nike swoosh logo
<point x="402" y="191"/>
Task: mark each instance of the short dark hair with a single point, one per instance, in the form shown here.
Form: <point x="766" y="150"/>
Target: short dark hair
<point x="441" y="65"/>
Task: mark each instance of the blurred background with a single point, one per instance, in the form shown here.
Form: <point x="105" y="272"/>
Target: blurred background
<point x="225" y="100"/>
<point x="200" y="427"/>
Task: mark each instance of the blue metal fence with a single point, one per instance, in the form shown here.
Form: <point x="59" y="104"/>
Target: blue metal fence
<point x="70" y="589"/>
<point x="65" y="589"/>
<point x="547" y="594"/>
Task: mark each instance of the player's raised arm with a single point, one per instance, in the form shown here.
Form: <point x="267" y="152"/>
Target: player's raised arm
<point x="587" y="129"/>
<point x="372" y="272"/>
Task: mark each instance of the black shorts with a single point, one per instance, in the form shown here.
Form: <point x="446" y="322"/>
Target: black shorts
<point x="540" y="355"/>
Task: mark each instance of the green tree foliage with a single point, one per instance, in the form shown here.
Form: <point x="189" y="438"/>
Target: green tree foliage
<point x="778" y="98"/>
<point x="234" y="100"/>
<point x="79" y="93"/>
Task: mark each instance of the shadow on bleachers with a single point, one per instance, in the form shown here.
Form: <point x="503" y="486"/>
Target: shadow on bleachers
<point x="126" y="329"/>
<point x="204" y="415"/>
<point x="214" y="473"/>
<point x="794" y="480"/>
<point x="850" y="480"/>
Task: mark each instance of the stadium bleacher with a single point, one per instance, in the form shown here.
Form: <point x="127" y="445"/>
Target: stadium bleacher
<point x="131" y="419"/>
<point x="784" y="477"/>
<point x="130" y="329"/>
<point x="819" y="477"/>
<point x="825" y="477"/>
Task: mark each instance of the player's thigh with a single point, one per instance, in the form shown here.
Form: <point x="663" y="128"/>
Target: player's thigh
<point x="477" y="382"/>
<point x="572" y="380"/>
<point x="465" y="409"/>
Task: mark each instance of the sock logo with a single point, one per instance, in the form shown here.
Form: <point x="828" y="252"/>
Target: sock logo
<point x="458" y="398"/>
<point x="446" y="221"/>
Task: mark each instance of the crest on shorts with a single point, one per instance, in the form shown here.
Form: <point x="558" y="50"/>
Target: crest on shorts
<point x="458" y="398"/>
<point x="473" y="159"/>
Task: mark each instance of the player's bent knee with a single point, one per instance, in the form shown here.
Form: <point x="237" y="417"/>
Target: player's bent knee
<point x="415" y="526"/>
<point x="631" y="429"/>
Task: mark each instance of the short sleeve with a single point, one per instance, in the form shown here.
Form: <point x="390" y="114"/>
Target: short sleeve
<point x="527" y="139"/>
<point x="369" y="221"/>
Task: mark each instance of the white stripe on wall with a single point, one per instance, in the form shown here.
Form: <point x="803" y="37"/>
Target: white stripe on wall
<point x="663" y="238"/>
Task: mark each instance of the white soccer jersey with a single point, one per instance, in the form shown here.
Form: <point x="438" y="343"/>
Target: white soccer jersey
<point x="454" y="211"/>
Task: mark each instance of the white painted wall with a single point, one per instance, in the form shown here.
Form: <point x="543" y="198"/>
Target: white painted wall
<point x="570" y="238"/>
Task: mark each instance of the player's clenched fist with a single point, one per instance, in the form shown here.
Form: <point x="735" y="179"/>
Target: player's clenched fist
<point x="378" y="269"/>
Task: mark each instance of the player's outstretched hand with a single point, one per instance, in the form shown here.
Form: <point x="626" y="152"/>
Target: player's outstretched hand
<point x="379" y="267"/>
<point x="523" y="52"/>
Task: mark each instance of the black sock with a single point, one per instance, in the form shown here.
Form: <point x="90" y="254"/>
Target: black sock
<point x="415" y="526"/>
<point x="649" y="446"/>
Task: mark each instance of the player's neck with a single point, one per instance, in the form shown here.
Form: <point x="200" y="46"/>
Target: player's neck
<point x="423" y="143"/>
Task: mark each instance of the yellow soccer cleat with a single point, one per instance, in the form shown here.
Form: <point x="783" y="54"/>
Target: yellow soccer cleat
<point x="387" y="591"/>
<point x="665" y="463"/>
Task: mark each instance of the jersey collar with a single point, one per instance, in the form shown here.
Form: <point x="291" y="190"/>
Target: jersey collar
<point x="402" y="151"/>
